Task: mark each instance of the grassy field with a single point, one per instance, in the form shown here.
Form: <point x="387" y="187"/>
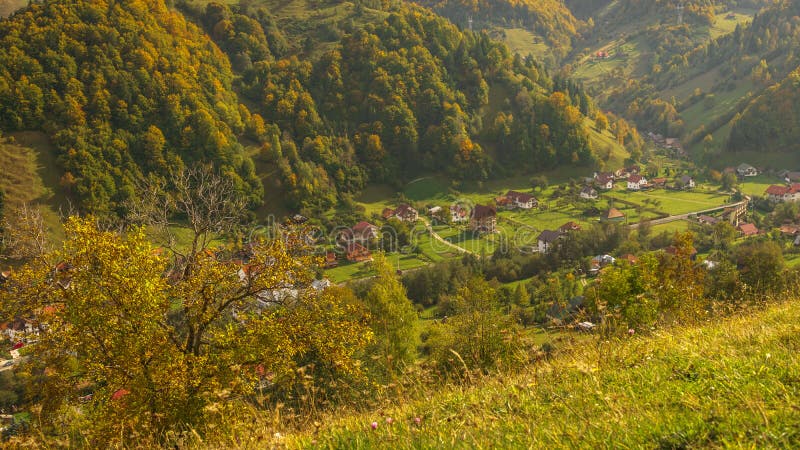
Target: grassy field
<point x="9" y="6"/>
<point x="522" y="227"/>
<point x="731" y="383"/>
<point x="522" y="41"/>
<point x="757" y="185"/>
<point x="31" y="176"/>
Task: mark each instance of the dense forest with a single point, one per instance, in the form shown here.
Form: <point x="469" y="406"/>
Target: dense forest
<point x="772" y="121"/>
<point x="395" y="98"/>
<point x="123" y="89"/>
<point x="135" y="90"/>
<point x="549" y="19"/>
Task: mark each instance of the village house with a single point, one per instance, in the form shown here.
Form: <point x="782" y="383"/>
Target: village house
<point x="604" y="180"/>
<point x="458" y="214"/>
<point x="546" y="240"/>
<point x="657" y="139"/>
<point x="779" y="194"/>
<point x="658" y="182"/>
<point x="569" y="226"/>
<point x="483" y="219"/>
<point x="789" y="230"/>
<point x="708" y="220"/>
<point x="520" y="200"/>
<point x="406" y="213"/>
<point x="331" y="260"/>
<point x="589" y="193"/>
<point x="356" y="252"/>
<point x="613" y="215"/>
<point x="672" y="143"/>
<point x="362" y="233"/>
<point x="788" y="176"/>
<point x="600" y="261"/>
<point x="632" y="259"/>
<point x="747" y="229"/>
<point x="687" y="182"/>
<point x="636" y="182"/>
<point x="746" y="170"/>
<point x="503" y="202"/>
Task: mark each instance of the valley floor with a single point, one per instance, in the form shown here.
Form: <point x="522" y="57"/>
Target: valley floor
<point x="731" y="383"/>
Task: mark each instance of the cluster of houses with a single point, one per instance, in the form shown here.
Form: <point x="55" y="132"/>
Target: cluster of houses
<point x="669" y="143"/>
<point x="781" y="194"/>
<point x="634" y="181"/>
<point x="743" y="170"/>
<point x="516" y="200"/>
<point x="354" y="241"/>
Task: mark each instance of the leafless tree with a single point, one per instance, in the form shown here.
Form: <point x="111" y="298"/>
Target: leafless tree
<point x="194" y="198"/>
<point x="25" y="234"/>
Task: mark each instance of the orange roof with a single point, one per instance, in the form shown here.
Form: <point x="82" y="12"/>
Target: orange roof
<point x="614" y="213"/>
<point x="748" y="229"/>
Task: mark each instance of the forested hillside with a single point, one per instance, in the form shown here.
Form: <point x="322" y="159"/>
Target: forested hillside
<point x="688" y="79"/>
<point x="375" y="93"/>
<point x="123" y="89"/>
<point x="549" y="20"/>
<point x="772" y="121"/>
<point x="401" y="92"/>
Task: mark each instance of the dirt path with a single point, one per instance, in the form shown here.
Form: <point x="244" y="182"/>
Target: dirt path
<point x="436" y="236"/>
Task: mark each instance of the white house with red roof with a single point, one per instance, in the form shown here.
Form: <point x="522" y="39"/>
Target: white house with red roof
<point x="789" y="193"/>
<point x="521" y="200"/>
<point x="636" y="182"/>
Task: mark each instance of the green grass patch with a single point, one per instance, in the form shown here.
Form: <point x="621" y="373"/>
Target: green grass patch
<point x="730" y="383"/>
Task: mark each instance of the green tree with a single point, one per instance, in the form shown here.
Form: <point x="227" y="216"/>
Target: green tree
<point x="156" y="350"/>
<point x="729" y="181"/>
<point x="761" y="266"/>
<point x="393" y="320"/>
<point x="478" y="335"/>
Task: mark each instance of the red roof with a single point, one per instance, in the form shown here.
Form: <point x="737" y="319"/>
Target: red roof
<point x="405" y="210"/>
<point x="569" y="226"/>
<point x="119" y="394"/>
<point x="362" y="226"/>
<point x="777" y="190"/>
<point x="635" y="179"/>
<point x="519" y="197"/>
<point x="481" y="212"/>
<point x="748" y="229"/>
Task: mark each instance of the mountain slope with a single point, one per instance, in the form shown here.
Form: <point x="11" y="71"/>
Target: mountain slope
<point x="772" y="121"/>
<point x="732" y="383"/>
<point x="549" y="21"/>
<point x="690" y="80"/>
<point x="123" y="89"/>
<point x="389" y="93"/>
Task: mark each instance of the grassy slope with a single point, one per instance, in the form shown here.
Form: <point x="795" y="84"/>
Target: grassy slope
<point x="731" y="383"/>
<point x="9" y="6"/>
<point x="30" y="175"/>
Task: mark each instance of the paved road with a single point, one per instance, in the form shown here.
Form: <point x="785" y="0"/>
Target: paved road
<point x="686" y="216"/>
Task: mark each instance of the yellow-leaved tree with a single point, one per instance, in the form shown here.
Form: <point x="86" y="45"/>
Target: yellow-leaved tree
<point x="158" y="339"/>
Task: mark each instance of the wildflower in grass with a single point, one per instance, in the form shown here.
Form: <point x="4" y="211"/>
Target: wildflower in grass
<point x="389" y="420"/>
<point x="374" y="425"/>
<point x="417" y="421"/>
<point x="631" y="331"/>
